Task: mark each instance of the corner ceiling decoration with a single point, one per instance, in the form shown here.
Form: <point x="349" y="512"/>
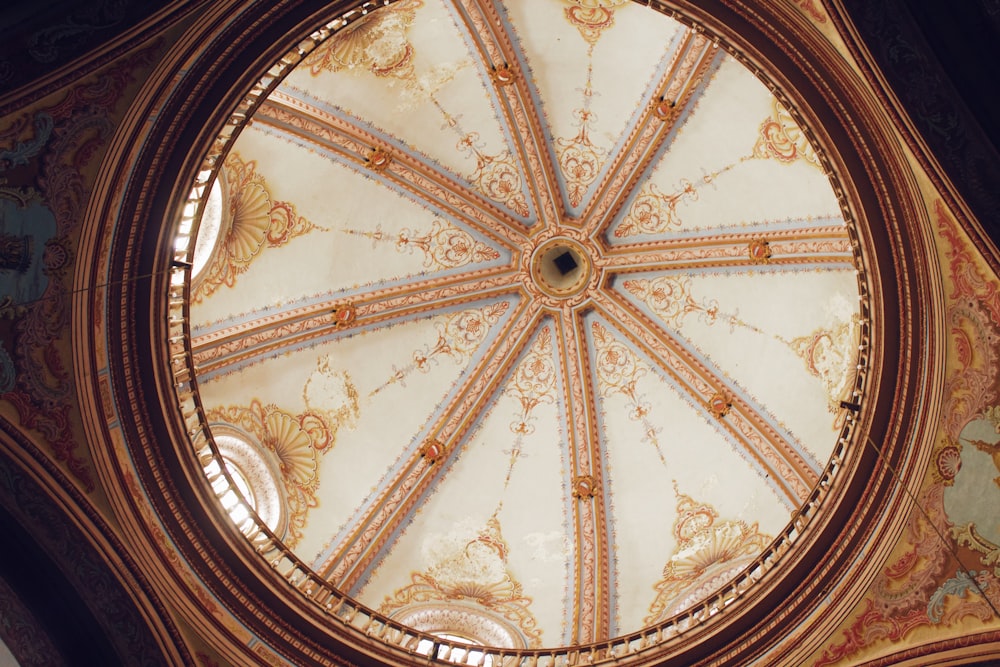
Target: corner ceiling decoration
<point x="539" y="314"/>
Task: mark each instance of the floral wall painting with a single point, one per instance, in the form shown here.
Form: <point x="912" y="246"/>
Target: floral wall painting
<point x="710" y="551"/>
<point x="473" y="573"/>
<point x="28" y="254"/>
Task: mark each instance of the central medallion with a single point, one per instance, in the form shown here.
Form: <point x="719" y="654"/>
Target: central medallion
<point x="561" y="267"/>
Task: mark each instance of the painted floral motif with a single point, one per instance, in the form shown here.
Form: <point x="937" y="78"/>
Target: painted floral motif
<point x="56" y="147"/>
<point x="592" y="17"/>
<point x="709" y="553"/>
<point x="906" y="594"/>
<point x="443" y="247"/>
<point x="781" y="139"/>
<point x="379" y="44"/>
<point x="331" y="398"/>
<point x="256" y="222"/>
<point x="533" y="383"/>
<point x="296" y="441"/>
<point x="376" y="43"/>
<point x="459" y="335"/>
<point x="496" y="176"/>
<point x="654" y="212"/>
<point x="579" y="157"/>
<point x="831" y="356"/>
<point x="474" y="572"/>
<point x="618" y="372"/>
<point x="963" y="584"/>
<point x="902" y="597"/>
<point x="670" y="298"/>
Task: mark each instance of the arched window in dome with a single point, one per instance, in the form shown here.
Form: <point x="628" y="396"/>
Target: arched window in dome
<point x="211" y="228"/>
<point x="235" y="501"/>
<point x="254" y="478"/>
<point x="461" y="623"/>
<point x="459" y="655"/>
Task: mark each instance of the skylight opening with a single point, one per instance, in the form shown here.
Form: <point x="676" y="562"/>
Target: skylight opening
<point x="458" y="655"/>
<point x="209" y="230"/>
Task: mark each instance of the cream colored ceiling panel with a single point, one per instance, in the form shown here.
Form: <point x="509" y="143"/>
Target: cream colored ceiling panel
<point x="493" y="528"/>
<point x="660" y="442"/>
<point x="313" y="226"/>
<point x="787" y="340"/>
<point x="738" y="161"/>
<point x="408" y="76"/>
<point x="591" y="96"/>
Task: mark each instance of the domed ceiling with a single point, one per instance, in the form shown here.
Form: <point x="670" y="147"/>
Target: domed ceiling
<point x="526" y="324"/>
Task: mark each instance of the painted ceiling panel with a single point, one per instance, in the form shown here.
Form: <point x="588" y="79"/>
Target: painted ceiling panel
<point x="738" y="161"/>
<point x="781" y="337"/>
<point x="657" y="439"/>
<point x="442" y="106"/>
<point x="588" y="98"/>
<point x="350" y="230"/>
<point x="511" y="468"/>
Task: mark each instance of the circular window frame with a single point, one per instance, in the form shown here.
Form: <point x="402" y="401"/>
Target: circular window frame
<point x="259" y="469"/>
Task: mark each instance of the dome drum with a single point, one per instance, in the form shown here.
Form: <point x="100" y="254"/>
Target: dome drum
<point x="622" y="299"/>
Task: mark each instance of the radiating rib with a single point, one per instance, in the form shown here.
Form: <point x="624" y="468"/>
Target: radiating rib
<point x="523" y="118"/>
<point x="357" y="145"/>
<point x="591" y="595"/>
<point x="229" y="348"/>
<point x="791" y="470"/>
<point x="371" y="528"/>
<point x="786" y="247"/>
<point x="678" y="91"/>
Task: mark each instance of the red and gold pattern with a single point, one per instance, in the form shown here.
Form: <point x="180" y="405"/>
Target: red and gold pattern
<point x="781" y="139"/>
<point x="445" y="246"/>
<point x="911" y="591"/>
<point x="759" y="251"/>
<point x="719" y="405"/>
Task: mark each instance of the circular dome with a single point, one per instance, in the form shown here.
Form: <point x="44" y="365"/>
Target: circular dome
<point x="552" y="318"/>
<point x="604" y="311"/>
